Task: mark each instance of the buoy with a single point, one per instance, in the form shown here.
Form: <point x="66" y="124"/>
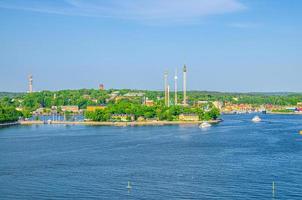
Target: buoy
<point x="129" y="186"/>
<point x="273" y="189"/>
<point x="300" y="132"/>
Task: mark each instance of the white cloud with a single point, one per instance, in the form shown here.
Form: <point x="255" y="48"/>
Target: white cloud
<point x="150" y="10"/>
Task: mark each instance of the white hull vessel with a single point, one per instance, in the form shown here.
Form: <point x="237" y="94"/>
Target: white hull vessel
<point x="256" y="119"/>
<point x="205" y="125"/>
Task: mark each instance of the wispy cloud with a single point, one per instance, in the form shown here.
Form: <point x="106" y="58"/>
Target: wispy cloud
<point x="142" y="10"/>
<point x="244" y="25"/>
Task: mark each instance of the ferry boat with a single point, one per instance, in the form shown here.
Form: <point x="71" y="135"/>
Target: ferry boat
<point x="205" y="125"/>
<point x="256" y="119"/>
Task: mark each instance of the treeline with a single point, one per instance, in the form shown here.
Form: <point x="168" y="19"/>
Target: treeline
<point x="10" y="94"/>
<point x="9" y="114"/>
<point x="158" y="111"/>
<point x="86" y="97"/>
<point x="47" y="99"/>
<point x="282" y="99"/>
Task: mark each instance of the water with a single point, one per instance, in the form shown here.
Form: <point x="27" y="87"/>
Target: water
<point x="234" y="160"/>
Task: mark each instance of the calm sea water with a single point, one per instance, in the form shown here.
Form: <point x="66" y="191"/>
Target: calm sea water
<point x="236" y="159"/>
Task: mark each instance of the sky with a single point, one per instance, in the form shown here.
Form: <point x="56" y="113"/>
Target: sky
<point x="227" y="45"/>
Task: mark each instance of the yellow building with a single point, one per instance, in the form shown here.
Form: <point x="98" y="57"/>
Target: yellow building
<point x="122" y="117"/>
<point x="188" y="117"/>
<point x="94" y="108"/>
<point x="141" y="119"/>
<point x="218" y="104"/>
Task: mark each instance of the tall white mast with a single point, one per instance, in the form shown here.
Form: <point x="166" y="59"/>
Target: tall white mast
<point x="30" y="83"/>
<point x="185" y="85"/>
<point x="168" y="95"/>
<point x="175" y="87"/>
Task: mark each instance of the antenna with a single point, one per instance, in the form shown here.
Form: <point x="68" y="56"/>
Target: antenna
<point x="30" y="84"/>
<point x="175" y="87"/>
<point x="185" y="85"/>
<point x="166" y="87"/>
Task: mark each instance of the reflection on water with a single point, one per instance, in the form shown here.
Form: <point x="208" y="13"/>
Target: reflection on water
<point x="236" y="159"/>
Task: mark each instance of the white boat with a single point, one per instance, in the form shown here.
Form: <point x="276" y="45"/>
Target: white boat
<point x="256" y="119"/>
<point x="205" y="125"/>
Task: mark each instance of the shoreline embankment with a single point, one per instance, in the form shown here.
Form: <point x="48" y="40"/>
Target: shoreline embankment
<point x="135" y="123"/>
<point x="285" y="113"/>
<point x="9" y="124"/>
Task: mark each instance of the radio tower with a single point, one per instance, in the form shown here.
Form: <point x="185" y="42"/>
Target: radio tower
<point x="175" y="87"/>
<point x="168" y="95"/>
<point x="30" y="84"/>
<point x="185" y="85"/>
<point x="166" y="87"/>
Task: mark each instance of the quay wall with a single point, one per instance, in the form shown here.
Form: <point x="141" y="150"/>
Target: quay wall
<point x="145" y="123"/>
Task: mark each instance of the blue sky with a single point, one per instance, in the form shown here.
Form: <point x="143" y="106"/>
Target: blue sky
<point x="228" y="45"/>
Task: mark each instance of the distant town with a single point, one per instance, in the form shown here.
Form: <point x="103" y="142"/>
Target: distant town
<point x="126" y="105"/>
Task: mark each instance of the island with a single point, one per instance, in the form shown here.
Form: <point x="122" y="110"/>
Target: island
<point x="125" y="107"/>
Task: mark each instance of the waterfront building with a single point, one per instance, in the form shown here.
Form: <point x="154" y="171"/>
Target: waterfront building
<point x="86" y="96"/>
<point x="74" y="109"/>
<point x="113" y="95"/>
<point x="239" y="108"/>
<point x="122" y="117"/>
<point x="19" y="109"/>
<point x="188" y="117"/>
<point x="292" y="109"/>
<point x="149" y="102"/>
<point x="134" y="94"/>
<point x="94" y="108"/>
<point x="141" y="119"/>
<point x="201" y="103"/>
<point x="218" y="104"/>
<point x="38" y="111"/>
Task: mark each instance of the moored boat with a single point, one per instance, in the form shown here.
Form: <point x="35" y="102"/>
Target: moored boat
<point x="205" y="125"/>
<point x="256" y="119"/>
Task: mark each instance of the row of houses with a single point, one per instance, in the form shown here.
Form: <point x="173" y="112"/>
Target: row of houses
<point x="129" y="117"/>
<point x="54" y="109"/>
<point x="181" y="117"/>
